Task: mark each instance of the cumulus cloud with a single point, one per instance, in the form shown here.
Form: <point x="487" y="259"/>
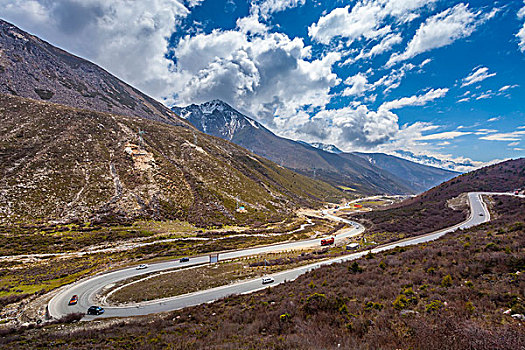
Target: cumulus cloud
<point x="352" y="126"/>
<point x="441" y="30"/>
<point x="359" y="84"/>
<point x="364" y="20"/>
<point x="477" y="75"/>
<point x="251" y="25"/>
<point x="267" y="7"/>
<point x="358" y="127"/>
<point x="265" y="75"/>
<point x="127" y="38"/>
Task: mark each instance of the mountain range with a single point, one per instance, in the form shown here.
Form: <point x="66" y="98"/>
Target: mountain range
<point x="78" y="144"/>
<point x="368" y="173"/>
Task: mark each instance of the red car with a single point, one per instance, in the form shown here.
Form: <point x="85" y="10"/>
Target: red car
<point x="327" y="241"/>
<point x="74" y="300"/>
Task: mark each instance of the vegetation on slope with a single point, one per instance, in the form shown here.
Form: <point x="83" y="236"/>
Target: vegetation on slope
<point x="433" y="210"/>
<point x="448" y="294"/>
<point x="66" y="164"/>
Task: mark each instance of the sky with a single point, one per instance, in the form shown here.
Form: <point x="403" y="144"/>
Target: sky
<point x="436" y="81"/>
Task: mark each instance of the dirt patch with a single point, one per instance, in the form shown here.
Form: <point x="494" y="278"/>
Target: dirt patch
<point x="459" y="203"/>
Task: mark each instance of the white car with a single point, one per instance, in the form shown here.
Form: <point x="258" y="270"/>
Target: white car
<point x="142" y="267"/>
<point x="267" y="280"/>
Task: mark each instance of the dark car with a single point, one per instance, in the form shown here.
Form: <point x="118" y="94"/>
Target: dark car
<point x="186" y="259"/>
<point x="73" y="300"/>
<point x="95" y="310"/>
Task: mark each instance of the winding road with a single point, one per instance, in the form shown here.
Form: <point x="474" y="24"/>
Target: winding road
<point x="88" y="289"/>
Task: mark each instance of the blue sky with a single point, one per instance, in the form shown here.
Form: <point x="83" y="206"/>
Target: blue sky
<point x="436" y="81"/>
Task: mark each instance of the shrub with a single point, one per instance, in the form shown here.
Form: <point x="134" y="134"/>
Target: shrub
<point x="285" y="317"/>
<point x="400" y="303"/>
<point x="355" y="268"/>
<point x="446" y="281"/>
<point x="373" y="306"/>
<point x="434" y="305"/>
<point x="469" y="307"/>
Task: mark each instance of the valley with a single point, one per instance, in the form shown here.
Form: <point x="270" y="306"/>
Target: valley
<point x="185" y="223"/>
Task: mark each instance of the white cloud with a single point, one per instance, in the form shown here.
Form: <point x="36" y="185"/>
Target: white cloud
<point x="251" y="24"/>
<point x="441" y="30"/>
<point x="128" y="38"/>
<point x="265" y="75"/>
<point x="507" y="87"/>
<point x="485" y="131"/>
<point x="267" y="7"/>
<point x="485" y="95"/>
<point x="364" y="20"/>
<point x="385" y="45"/>
<point x="447" y="135"/>
<point x="408" y="144"/>
<point x="416" y="100"/>
<point x="493" y="119"/>
<point x="477" y="75"/>
<point x="521" y="33"/>
<point x="510" y="136"/>
<point x="352" y="126"/>
<point x="359" y="84"/>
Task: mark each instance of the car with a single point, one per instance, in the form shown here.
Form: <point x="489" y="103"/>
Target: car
<point x="73" y="300"/>
<point x="481" y="214"/>
<point x="267" y="280"/>
<point x="185" y="259"/>
<point x="142" y="267"/>
<point x="95" y="310"/>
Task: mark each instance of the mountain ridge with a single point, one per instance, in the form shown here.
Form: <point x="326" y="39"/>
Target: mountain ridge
<point x="349" y="171"/>
<point x="33" y="68"/>
<point x="78" y="144"/>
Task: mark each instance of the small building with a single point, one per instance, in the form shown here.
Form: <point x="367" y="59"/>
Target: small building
<point x="241" y="210"/>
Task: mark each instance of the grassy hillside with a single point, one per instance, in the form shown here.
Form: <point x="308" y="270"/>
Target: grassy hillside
<point x="66" y="164"/>
<point x="449" y="294"/>
<point x="434" y="210"/>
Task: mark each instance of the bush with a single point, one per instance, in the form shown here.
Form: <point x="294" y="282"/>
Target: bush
<point x="355" y="268"/>
<point x="446" y="281"/>
<point x="434" y="306"/>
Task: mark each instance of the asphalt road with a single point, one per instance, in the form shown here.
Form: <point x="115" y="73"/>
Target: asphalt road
<point x="89" y="288"/>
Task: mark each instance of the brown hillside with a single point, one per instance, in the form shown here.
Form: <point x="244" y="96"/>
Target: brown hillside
<point x="61" y="163"/>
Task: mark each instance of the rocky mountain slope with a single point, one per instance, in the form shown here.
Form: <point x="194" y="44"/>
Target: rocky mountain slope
<point x="347" y="170"/>
<point x="66" y="164"/>
<point x="30" y="67"/>
<point x="76" y="143"/>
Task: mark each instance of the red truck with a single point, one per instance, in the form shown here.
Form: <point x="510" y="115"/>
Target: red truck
<point x="327" y="241"/>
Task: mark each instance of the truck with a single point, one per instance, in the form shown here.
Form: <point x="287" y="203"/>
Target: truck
<point x="327" y="241"/>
